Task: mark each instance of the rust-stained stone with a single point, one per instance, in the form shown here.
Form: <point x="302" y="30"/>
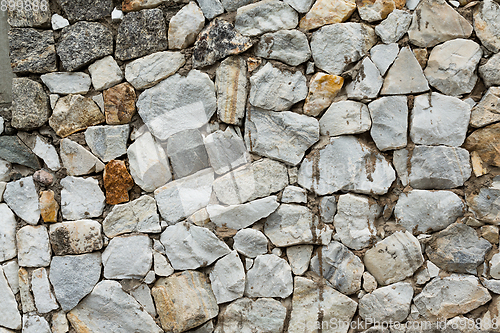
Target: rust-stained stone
<point x="486" y="142"/>
<point x="133" y="5"/>
<point x="75" y="237"/>
<point x="253" y="63"/>
<point x="74" y="113"/>
<point x="184" y="301"/>
<point x="327" y="12"/>
<point x="375" y="10"/>
<point x="119" y="104"/>
<point x="117" y="182"/>
<point x="322" y="90"/>
<point x="48" y="206"/>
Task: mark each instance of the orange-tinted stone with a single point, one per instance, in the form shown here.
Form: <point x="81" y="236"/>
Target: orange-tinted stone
<point x="119" y="104"/>
<point x="486" y="142"/>
<point x="48" y="206"/>
<point x="322" y="90"/>
<point x="132" y="5"/>
<point x="117" y="182"/>
<point x="253" y="63"/>
<point x="327" y="12"/>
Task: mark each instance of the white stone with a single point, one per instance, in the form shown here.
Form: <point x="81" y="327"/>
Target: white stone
<point x="81" y="198"/>
<point x="394" y="26"/>
<point x="77" y="160"/>
<point x="250" y="242"/>
<point x="369" y="282"/>
<point x="47" y="153"/>
<point x="389" y="122"/>
<point x="33" y="248"/>
<point x="383" y="55"/>
<point x="487" y="24"/>
<point x="276" y="90"/>
<point x="150" y="277"/>
<point x="270" y="276"/>
<point x="3" y="185"/>
<point x="1" y="125"/>
<point x="59" y="322"/>
<point x="53" y="98"/>
<point x="22" y="198"/>
<point x="495" y="266"/>
<point x="367" y="83"/>
<point x="147" y="71"/>
<point x="178" y="103"/>
<point x="148" y="163"/>
<point x="226" y="150"/>
<point x="228" y="278"/>
<point x="432" y="269"/>
<point x="336" y="46"/>
<point x="105" y="73"/>
<point x="107" y="142"/>
<point x="99" y="101"/>
<point x="294" y="194"/>
<point x="184" y="26"/>
<point x="412" y="4"/>
<point x="355" y="220"/>
<point x="211" y="8"/>
<point x="58" y="22"/>
<point x="9" y="314"/>
<point x="161" y="265"/>
<point x="345" y="117"/>
<point x="44" y="299"/>
<point x="65" y="83"/>
<point x="299" y="257"/>
<point x="75" y="237"/>
<point x="288" y="46"/>
<point x="189" y="247"/>
<point x="391" y="303"/>
<point x="127" y="257"/>
<point x="488" y="72"/>
<point x="35" y="324"/>
<point x="265" y="16"/>
<point x="451" y="67"/>
<point x="116" y="15"/>
<point x="327" y="208"/>
<point x="11" y="270"/>
<point x="8" y="225"/>
<point x="142" y="294"/>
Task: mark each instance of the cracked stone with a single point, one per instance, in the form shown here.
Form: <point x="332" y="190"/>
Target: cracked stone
<point x="270" y="276"/>
<point x="231" y="83"/>
<point x="288" y="46"/>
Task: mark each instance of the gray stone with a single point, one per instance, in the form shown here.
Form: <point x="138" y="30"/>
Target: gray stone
<point x="86" y="9"/>
<point x="327" y="208"/>
<point x="187" y="153"/>
<point x="226" y="150"/>
<point x="452" y="65"/>
<point x="336" y="46"/>
<point x="270" y="276"/>
<point x="143" y="295"/>
<point x="211" y="8"/>
<point x="77" y="160"/>
<point x="387" y="304"/>
<point x="81" y="198"/>
<point x="192" y="96"/>
<point x="65" y="83"/>
<point x="484" y="204"/>
<point x="8" y="225"/>
<point x="33" y="248"/>
<point x="127" y="257"/>
<point x="44" y="299"/>
<point x="233" y="5"/>
<point x="345" y="117"/>
<point x="184" y="26"/>
<point x="9" y="314"/>
<point x="141" y="33"/>
<point x="32" y="50"/>
<point x="105" y="73"/>
<point x="284" y="136"/>
<point x="30" y="104"/>
<point x="276" y="90"/>
<point x="288" y="46"/>
<point x="487" y="24"/>
<point x="22" y="198"/>
<point x="339" y="266"/>
<point x="265" y="16"/>
<point x="346" y="164"/>
<point x="33" y="323"/>
<point x="27" y="17"/>
<point x="299" y="257"/>
<point x="367" y="84"/>
<point x="427" y="211"/>
<point x="250" y="242"/>
<point x="439" y="120"/>
<point x="11" y="271"/>
<point x="389" y="122"/>
<point x="5" y="169"/>
<point x="383" y="55"/>
<point x="489" y="71"/>
<point x="27" y="301"/>
<point x="302" y="6"/>
<point x="107" y="142"/>
<point x="492" y="285"/>
<point x="457" y="249"/>
<point x="231" y="83"/>
<point x="75" y="237"/>
<point x="394" y="26"/>
<point x="47" y="153"/>
<point x="228" y="278"/>
<point x="82" y="43"/>
<point x="294" y="194"/>
<point x="13" y="150"/>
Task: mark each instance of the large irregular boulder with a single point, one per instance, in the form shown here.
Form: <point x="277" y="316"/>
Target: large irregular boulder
<point x="270" y="276"/>
<point x="387" y="304"/>
<point x="487" y="24"/>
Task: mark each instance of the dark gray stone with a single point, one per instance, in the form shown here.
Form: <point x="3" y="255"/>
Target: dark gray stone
<point x="22" y="17"/>
<point x="32" y="51"/>
<point x="187" y="153"/>
<point x="30" y="104"/>
<point x="79" y="10"/>
<point x="13" y="150"/>
<point x="82" y="43"/>
<point x="140" y="34"/>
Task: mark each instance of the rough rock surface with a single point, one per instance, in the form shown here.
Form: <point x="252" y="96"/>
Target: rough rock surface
<point x="85" y="9"/>
<point x="107" y="142"/>
<point x="105" y="73"/>
<point x="187" y="153"/>
<point x="345" y="117"/>
<point x="489" y="73"/>
<point x="226" y="150"/>
<point x="231" y="83"/>
<point x="75" y="237"/>
<point x="270" y="276"/>
<point x="228" y="278"/>
<point x="30" y="104"/>
<point x="394" y="26"/>
<point x="13" y="150"/>
<point x="119" y="104"/>
<point x="485" y="142"/>
<point x="366" y="85"/>
<point x="390" y="303"/>
<point x="22" y="198"/>
<point x="145" y="72"/>
<point x="128" y="257"/>
<point x="250" y="242"/>
<point x="288" y="46"/>
<point x="33" y="247"/>
<point x="487" y="25"/>
<point x="322" y="90"/>
<point x="484" y="204"/>
<point x="265" y="16"/>
<point x="325" y="12"/>
<point x="8" y="233"/>
<point x="9" y="314"/>
<point x="65" y="83"/>
<point x="77" y="160"/>
<point x="389" y="117"/>
<point x="185" y="26"/>
<point x="32" y="50"/>
<point x="81" y="198"/>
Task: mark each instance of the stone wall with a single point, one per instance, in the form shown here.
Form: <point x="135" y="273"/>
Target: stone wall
<point x="238" y="166"/>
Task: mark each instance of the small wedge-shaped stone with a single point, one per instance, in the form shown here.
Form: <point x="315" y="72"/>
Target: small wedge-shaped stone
<point x="109" y="309"/>
<point x="387" y="304"/>
<point x="75" y="237"/>
<point x="8" y="225"/>
<point x="394" y="26"/>
<point x="367" y="84"/>
<point x="9" y="314"/>
<point x="231" y="83"/>
<point x="81" y="198"/>
<point x="322" y="90"/>
<point x="30" y="104"/>
<point x="33" y="248"/>
<point x="184" y="26"/>
<point x="77" y="160"/>
<point x="395" y="258"/>
<point x="325" y="12"/>
<point x="288" y="46"/>
<point x="228" y="278"/>
<point x="13" y="150"/>
<point x="284" y="136"/>
<point x="241" y="216"/>
<point x="184" y="301"/>
<point x="22" y="198"/>
<point x="265" y="16"/>
<point x="389" y="122"/>
<point x="44" y="299"/>
<point x="128" y="257"/>
<point x="64" y="83"/>
<point x="487" y="24"/>
<point x="435" y="21"/>
<point x="47" y="153"/>
<point x="270" y="276"/>
<point x="217" y="41"/>
<point x="405" y="76"/>
<point x="226" y="150"/>
<point x="485" y="203"/>
<point x="486" y="142"/>
<point x="383" y="55"/>
<point x="107" y="142"/>
<point x="190" y="247"/>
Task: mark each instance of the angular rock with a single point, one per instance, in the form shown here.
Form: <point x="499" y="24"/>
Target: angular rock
<point x="250" y="242"/>
<point x="33" y="323"/>
<point x="65" y="83"/>
<point x="369" y="282"/>
<point x="494" y="266"/>
<point x="83" y="43"/>
<point x="32" y="50"/>
<point x="485" y="142"/>
<point x="44" y="299"/>
<point x="301" y="6"/>
<point x="147" y="71"/>
<point x="346" y="164"/>
<point x="233" y="5"/>
<point x="327" y="208"/>
<point x="27" y="301"/>
<point x="127" y="257"/>
<point x="105" y="73"/>
<point x="8" y="225"/>
<point x="22" y="198"/>
<point x="122" y="312"/>
<point x="276" y="90"/>
<point x="487" y="24"/>
<point x="184" y="26"/>
<point x="11" y="271"/>
<point x="148" y="163"/>
<point x="265" y="16"/>
<point x="367" y="84"/>
<point x="241" y="216"/>
<point x="74" y="113"/>
<point x="162" y="266"/>
<point x="192" y="96"/>
<point x="141" y="33"/>
<point x="391" y="303"/>
<point x="377" y="10"/>
<point x="389" y="122"/>
<point x="143" y="295"/>
<point x="58" y="22"/>
<point x="270" y="276"/>
<point x="325" y="12"/>
<point x="107" y="142"/>
<point x="211" y="8"/>
<point x="294" y="194"/>
<point x="231" y="83"/>
<point x="139" y="215"/>
<point x="339" y="266"/>
<point x="484" y="204"/>
<point x="394" y="258"/>
<point x="226" y="150"/>
<point x="464" y="292"/>
<point x="33" y="249"/>
<point x="30" y="104"/>
<point x="81" y="198"/>
<point x="73" y="277"/>
<point x="77" y="160"/>
<point x="355" y="220"/>
<point x="119" y="104"/>
<point x="184" y="301"/>
<point x="134" y="5"/>
<point x="26" y="16"/>
<point x="451" y="66"/>
<point x="187" y="153"/>
<point x="47" y="153"/>
<point x="75" y="237"/>
<point x="489" y="71"/>
<point x="439" y="120"/>
<point x="13" y="150"/>
<point x="322" y="90"/>
<point x="299" y="257"/>
<point x="457" y="249"/>
<point x="288" y="46"/>
<point x="336" y="46"/>
<point x="394" y="26"/>
<point x="86" y="9"/>
<point x="49" y="208"/>
<point x="228" y="278"/>
<point x="421" y="211"/>
<point x="405" y="76"/>
<point x="284" y="136"/>
<point x="383" y="55"/>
